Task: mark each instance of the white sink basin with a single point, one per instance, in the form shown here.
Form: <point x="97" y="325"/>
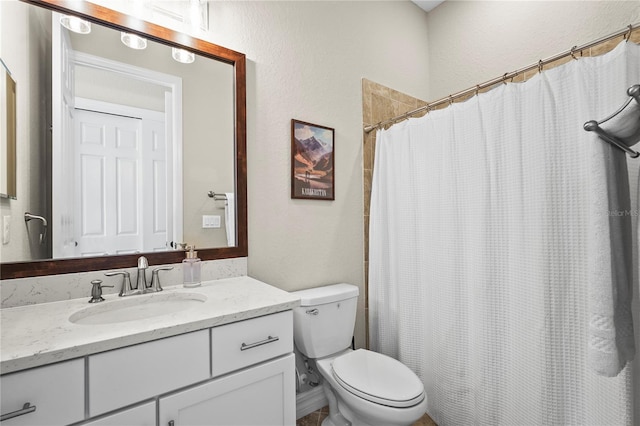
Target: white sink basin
<point x="137" y="307"/>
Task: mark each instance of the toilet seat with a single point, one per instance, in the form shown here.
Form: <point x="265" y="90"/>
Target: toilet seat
<point x="378" y="378"/>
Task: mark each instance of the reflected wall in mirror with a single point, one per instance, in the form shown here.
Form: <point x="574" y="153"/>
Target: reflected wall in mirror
<point x="138" y="141"/>
<point x="7" y="133"/>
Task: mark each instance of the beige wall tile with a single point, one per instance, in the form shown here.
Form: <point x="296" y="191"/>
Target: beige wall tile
<point x="379" y="89"/>
<point x="367" y="150"/>
<point x="528" y="74"/>
<point x="382" y="108"/>
<point x="366" y="101"/>
<point x="404" y="98"/>
<point x="402" y="107"/>
<point x="367" y="190"/>
<point x="366" y="238"/>
<point x="605" y="47"/>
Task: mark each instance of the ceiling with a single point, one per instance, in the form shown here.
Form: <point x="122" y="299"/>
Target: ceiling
<point x="427" y="5"/>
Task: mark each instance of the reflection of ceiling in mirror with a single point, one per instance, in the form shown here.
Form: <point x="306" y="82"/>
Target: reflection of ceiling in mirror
<point x="188" y="14"/>
<point x="140" y="94"/>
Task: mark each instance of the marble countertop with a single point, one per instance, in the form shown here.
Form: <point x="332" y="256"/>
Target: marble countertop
<point x="41" y="334"/>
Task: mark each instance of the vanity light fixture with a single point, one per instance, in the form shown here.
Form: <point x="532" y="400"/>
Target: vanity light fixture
<point x="133" y="41"/>
<point x="182" y="55"/>
<point x="75" y="24"/>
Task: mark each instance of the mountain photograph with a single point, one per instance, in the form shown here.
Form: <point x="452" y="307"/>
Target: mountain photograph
<point x="312" y="161"/>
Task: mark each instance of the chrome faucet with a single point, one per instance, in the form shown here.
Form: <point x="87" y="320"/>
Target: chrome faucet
<point x="141" y="287"/>
<point x="141" y="282"/>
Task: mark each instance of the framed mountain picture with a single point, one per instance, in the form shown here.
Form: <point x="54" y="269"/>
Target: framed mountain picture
<point x="312" y="161"/>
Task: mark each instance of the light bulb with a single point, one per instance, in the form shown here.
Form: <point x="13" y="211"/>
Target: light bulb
<point x="182" y="55"/>
<point x="133" y="41"/>
<point x="75" y="24"/>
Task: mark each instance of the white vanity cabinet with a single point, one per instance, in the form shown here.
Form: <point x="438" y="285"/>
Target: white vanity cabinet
<point x="226" y="361"/>
<point x="235" y="374"/>
<point x="56" y="391"/>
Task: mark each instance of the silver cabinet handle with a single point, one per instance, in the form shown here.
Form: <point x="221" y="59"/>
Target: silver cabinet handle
<point x="269" y="339"/>
<point x="312" y="311"/>
<point x="172" y="423"/>
<point x="26" y="409"/>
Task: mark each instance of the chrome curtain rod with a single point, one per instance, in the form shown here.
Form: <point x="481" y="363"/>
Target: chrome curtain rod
<point x="507" y="76"/>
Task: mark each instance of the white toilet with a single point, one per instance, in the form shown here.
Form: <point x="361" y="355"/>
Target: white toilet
<point x="364" y="388"/>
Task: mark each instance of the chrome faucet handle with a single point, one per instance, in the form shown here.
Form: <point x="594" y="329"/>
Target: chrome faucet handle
<point x="125" y="289"/>
<point x="96" y="291"/>
<point x="141" y="281"/>
<point x="155" y="279"/>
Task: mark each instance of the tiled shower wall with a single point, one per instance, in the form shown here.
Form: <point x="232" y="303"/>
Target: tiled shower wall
<point x="380" y="103"/>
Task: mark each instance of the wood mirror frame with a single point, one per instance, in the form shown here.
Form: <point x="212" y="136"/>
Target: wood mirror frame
<point x="121" y="22"/>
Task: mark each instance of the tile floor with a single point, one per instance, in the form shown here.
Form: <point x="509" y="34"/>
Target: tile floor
<point x="316" y="418"/>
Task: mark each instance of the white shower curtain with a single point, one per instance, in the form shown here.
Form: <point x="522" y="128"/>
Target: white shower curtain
<point x="479" y="250"/>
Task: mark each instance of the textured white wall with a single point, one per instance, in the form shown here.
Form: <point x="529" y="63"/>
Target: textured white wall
<point x="306" y="61"/>
<point x="471" y="42"/>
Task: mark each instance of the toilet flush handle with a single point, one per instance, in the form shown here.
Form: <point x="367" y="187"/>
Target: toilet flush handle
<point x="313" y="311"/>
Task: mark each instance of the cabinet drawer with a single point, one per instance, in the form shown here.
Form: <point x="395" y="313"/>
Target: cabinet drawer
<point x="124" y="376"/>
<point x="57" y="392"/>
<point x="244" y="343"/>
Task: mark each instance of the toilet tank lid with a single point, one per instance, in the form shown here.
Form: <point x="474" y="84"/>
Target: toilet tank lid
<point x="326" y="294"/>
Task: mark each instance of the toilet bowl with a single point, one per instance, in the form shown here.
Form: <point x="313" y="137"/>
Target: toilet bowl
<point x="374" y="389"/>
<point x="364" y="388"/>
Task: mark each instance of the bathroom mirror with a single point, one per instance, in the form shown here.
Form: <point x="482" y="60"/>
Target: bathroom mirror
<point x="217" y="72"/>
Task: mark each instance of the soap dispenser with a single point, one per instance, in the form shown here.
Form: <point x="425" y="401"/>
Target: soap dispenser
<point x="191" y="268"/>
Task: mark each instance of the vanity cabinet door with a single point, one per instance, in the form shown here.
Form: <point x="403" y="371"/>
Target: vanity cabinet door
<point x="262" y="395"/>
<point x="142" y="415"/>
<point x="56" y="391"/>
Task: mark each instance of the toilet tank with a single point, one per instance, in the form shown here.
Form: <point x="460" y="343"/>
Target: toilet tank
<point x="323" y="323"/>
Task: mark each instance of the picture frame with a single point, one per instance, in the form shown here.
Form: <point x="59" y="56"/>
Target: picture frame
<point x="312" y="161"/>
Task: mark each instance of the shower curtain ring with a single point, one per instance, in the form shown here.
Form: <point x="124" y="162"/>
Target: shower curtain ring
<point x="504" y="78"/>
<point x="540" y="64"/>
<point x="628" y="35"/>
<point x="450" y="99"/>
<point x="573" y="52"/>
<point x="477" y="89"/>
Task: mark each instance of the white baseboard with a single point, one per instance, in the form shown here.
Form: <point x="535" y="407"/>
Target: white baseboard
<point x="310" y="401"/>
